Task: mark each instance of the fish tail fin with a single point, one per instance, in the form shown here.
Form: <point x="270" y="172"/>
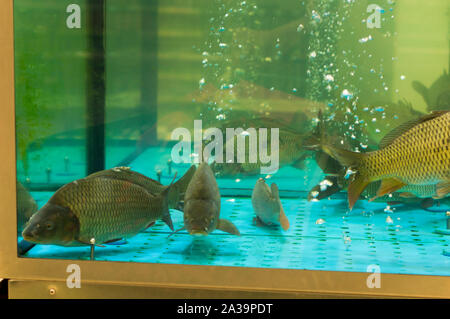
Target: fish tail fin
<point x="182" y="184"/>
<point x="284" y="222"/>
<point x="350" y="159"/>
<point x="176" y="190"/>
<point x="166" y="191"/>
<point x="355" y="188"/>
<point x="165" y="197"/>
<point x="168" y="219"/>
<point x="318" y="136"/>
<point x="319" y="141"/>
<point x="344" y="157"/>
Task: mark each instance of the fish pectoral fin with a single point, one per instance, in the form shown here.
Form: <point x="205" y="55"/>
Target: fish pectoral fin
<point x="284" y="222"/>
<point x="182" y="228"/>
<point x="228" y="227"/>
<point x="150" y="225"/>
<point x="355" y="188"/>
<point x="407" y="195"/>
<point x="442" y="189"/>
<point x="112" y="240"/>
<point x="389" y="185"/>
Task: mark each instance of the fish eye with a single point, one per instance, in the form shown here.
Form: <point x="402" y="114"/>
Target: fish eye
<point x="49" y="226"/>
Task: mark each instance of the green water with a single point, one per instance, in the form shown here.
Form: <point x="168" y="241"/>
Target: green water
<point x="168" y="63"/>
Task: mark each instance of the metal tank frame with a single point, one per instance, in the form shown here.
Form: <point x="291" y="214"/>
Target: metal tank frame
<point x="41" y="278"/>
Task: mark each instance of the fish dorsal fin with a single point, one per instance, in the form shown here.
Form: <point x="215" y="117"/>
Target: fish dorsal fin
<point x="399" y="130"/>
<point x="275" y="192"/>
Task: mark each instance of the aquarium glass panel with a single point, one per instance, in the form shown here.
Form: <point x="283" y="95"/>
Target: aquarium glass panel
<point x="276" y="134"/>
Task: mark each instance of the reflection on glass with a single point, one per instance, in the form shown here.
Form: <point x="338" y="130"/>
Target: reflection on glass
<point x="324" y="124"/>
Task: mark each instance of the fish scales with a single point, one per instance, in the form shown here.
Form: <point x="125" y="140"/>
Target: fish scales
<point x="109" y="209"/>
<point x="419" y="156"/>
<point x="124" y="173"/>
<point x="176" y="191"/>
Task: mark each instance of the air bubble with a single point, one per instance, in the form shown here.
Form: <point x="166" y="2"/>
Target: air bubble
<point x="346" y="94"/>
<point x="320" y="221"/>
<point x="366" y="39"/>
<point x="315" y="16"/>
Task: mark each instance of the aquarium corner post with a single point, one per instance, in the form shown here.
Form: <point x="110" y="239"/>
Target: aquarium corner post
<point x="149" y="74"/>
<point x="95" y="86"/>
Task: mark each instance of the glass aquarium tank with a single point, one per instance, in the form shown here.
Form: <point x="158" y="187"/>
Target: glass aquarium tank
<point x="288" y="134"/>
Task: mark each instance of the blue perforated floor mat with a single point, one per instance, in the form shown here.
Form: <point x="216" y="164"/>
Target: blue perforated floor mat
<point x="344" y="242"/>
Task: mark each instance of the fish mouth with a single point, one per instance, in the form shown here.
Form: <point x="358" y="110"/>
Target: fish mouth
<point x="31" y="236"/>
<point x="196" y="232"/>
<point x="28" y="236"/>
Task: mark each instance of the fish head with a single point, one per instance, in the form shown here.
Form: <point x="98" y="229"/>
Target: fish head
<point x="52" y="224"/>
<point x="200" y="217"/>
<point x="261" y="189"/>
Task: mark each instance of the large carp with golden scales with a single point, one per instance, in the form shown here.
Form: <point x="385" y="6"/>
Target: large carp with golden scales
<point x="415" y="153"/>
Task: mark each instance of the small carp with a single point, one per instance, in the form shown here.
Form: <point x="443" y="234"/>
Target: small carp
<point x="290" y="143"/>
<point x="267" y="205"/>
<point x="202" y="205"/>
<point x="99" y="208"/>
